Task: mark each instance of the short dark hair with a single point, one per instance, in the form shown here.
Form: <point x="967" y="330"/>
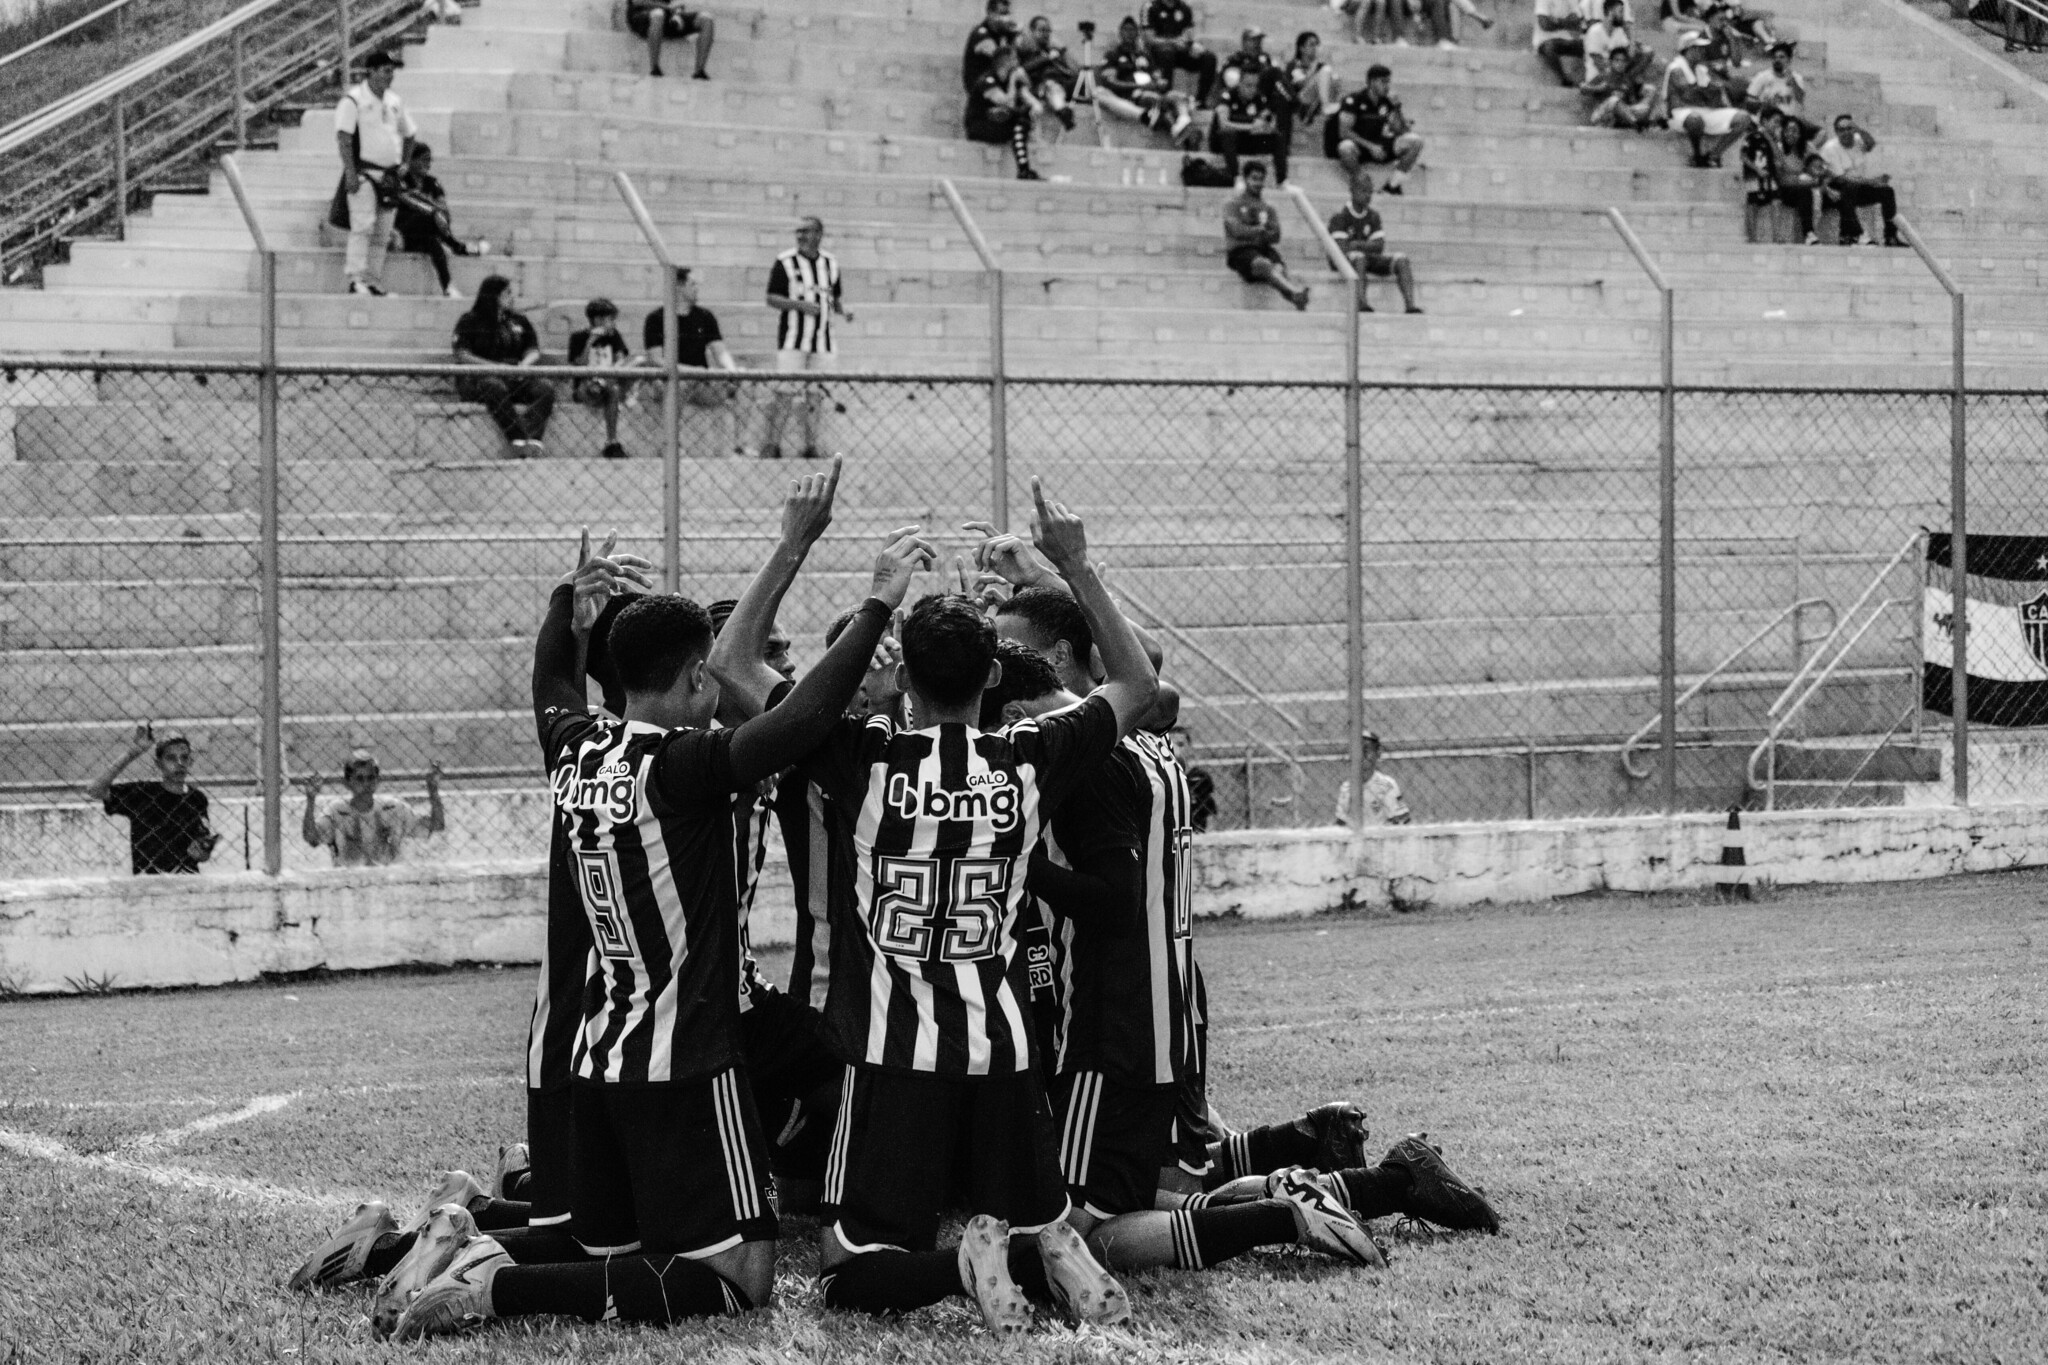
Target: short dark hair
<point x="1027" y="676"/>
<point x="1845" y="118"/>
<point x="600" y="308"/>
<point x="947" y="646"/>
<point x="1251" y="166"/>
<point x="1054" y="616"/>
<point x="1377" y="70"/>
<point x="839" y="625"/>
<point x="655" y="639"/>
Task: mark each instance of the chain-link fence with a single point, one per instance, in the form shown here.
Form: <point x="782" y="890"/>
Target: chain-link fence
<point x="1511" y="603"/>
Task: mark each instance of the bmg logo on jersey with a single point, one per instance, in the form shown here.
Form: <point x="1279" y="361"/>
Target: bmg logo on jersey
<point x="610" y="792"/>
<point x="989" y="797"/>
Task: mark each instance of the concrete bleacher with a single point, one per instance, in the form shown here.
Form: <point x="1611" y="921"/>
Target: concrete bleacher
<point x="1518" y="606"/>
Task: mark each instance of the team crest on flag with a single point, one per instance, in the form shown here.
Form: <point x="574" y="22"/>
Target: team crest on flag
<point x="2034" y="625"/>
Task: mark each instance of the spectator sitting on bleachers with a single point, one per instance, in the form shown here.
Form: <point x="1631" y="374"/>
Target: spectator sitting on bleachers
<point x="1254" y="113"/>
<point x="2022" y="29"/>
<point x="1557" y="39"/>
<point x="374" y="134"/>
<point x="1613" y="56"/>
<point x="168" y="829"/>
<point x="656" y="20"/>
<point x="423" y="223"/>
<point x="700" y="347"/>
<point x="1001" y="108"/>
<point x="1753" y="28"/>
<point x="1848" y="182"/>
<point x="1128" y="85"/>
<point x="1724" y="52"/>
<point x="1698" y="103"/>
<point x="1781" y="88"/>
<point x="1635" y="105"/>
<point x="1676" y="16"/>
<point x="493" y="332"/>
<point x="1255" y="66"/>
<point x="1251" y="232"/>
<point x="1311" y="80"/>
<point x="442" y="11"/>
<point x="600" y="347"/>
<point x="1170" y="43"/>
<point x="1048" y="69"/>
<point x="1362" y="238"/>
<point x="1776" y="163"/>
<point x="995" y="32"/>
<point x="1369" y="125"/>
<point x="1446" y="27"/>
<point x="363" y="828"/>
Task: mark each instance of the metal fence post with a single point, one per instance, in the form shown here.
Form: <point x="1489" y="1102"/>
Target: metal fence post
<point x="998" y="373"/>
<point x="1958" y="498"/>
<point x="671" y="391"/>
<point x="1354" y="508"/>
<point x="346" y="32"/>
<point x="119" y="114"/>
<point x="270" y="608"/>
<point x="241" y="102"/>
<point x="1667" y="515"/>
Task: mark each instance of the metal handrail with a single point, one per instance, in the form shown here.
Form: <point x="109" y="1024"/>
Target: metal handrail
<point x="68" y="29"/>
<point x="1841" y="621"/>
<point x="1792" y="612"/>
<point x="1768" y="748"/>
<point x="233" y="173"/>
<point x="998" y="368"/>
<point x="671" y="386"/>
<point x="1196" y="648"/>
<point x="1297" y="776"/>
<point x="1321" y="231"/>
<point x="1875" y="749"/>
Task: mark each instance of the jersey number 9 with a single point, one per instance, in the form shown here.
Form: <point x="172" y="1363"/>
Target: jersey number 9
<point x="932" y="910"/>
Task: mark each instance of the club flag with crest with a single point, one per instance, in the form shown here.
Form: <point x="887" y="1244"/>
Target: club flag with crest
<point x="2007" y="598"/>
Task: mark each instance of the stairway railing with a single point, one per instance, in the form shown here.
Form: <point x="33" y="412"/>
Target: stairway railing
<point x="78" y="164"/>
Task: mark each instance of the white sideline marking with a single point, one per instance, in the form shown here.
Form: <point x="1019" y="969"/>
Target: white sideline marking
<point x="254" y="1109"/>
<point x="170" y="1177"/>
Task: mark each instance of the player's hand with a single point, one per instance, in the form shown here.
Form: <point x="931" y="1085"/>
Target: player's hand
<point x="808" y="509"/>
<point x="311" y="783"/>
<point x="143" y="740"/>
<point x="902" y="558"/>
<point x="434" y="777"/>
<point x="1058" y="533"/>
<point x="991" y="590"/>
<point x="1008" y="556"/>
<point x="201" y="848"/>
<point x="595" y="579"/>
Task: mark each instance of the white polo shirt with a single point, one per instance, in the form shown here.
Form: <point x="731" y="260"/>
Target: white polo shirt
<point x="381" y="126"/>
<point x="1556" y="9"/>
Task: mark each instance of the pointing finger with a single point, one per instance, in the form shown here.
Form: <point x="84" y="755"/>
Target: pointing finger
<point x="583" y="548"/>
<point x="1038" y="495"/>
<point x="611" y="542"/>
<point x="832" y="479"/>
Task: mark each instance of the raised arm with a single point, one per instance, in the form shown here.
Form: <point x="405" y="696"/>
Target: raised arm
<point x="572" y="610"/>
<point x="776" y="739"/>
<point x="736" y="655"/>
<point x="1011" y="558"/>
<point x="1129" y="683"/>
<point x="145" y="737"/>
<point x="309" y="824"/>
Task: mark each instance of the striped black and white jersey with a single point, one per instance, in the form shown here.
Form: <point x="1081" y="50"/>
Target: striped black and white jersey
<point x="751" y="811"/>
<point x="650" y="815"/>
<point x="567" y="964"/>
<point x="939" y="824"/>
<point x="1125" y="968"/>
<point x="805" y="279"/>
<point x="814" y="860"/>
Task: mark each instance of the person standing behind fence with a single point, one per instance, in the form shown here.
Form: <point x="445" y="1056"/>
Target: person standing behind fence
<point x="364" y="828"/>
<point x="493" y="333"/>
<point x="167" y="824"/>
<point x="1383" y="803"/>
<point x="374" y="134"/>
<point x="803" y="287"/>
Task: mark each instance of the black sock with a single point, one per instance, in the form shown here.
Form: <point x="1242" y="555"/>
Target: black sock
<point x="1027" y="1268"/>
<point x="630" y="1288"/>
<point x="1020" y="144"/>
<point x="501" y="1214"/>
<point x="540" y="1246"/>
<point x="1374" y="1191"/>
<point x="387" y="1253"/>
<point x="893" y="1281"/>
<point x="1203" y="1237"/>
<point x="1261" y="1151"/>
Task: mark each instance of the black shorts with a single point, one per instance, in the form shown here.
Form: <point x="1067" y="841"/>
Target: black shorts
<point x="1380" y="265"/>
<point x="1240" y="258"/>
<point x="907" y="1142"/>
<point x="669" y="1170"/>
<point x="983" y="127"/>
<point x="1114" y="1138"/>
<point x="1374" y="151"/>
<point x="551" y="1154"/>
<point x="681" y="22"/>
<point x="1191" y="1133"/>
<point x="796" y="1079"/>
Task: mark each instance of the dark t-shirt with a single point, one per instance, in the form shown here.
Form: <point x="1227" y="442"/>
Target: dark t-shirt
<point x="1127" y="71"/>
<point x="503" y="341"/>
<point x="611" y="345"/>
<point x="979" y="54"/>
<point x="1169" y="18"/>
<point x="161" y="825"/>
<point x="695" y="331"/>
<point x="1201" y="798"/>
<point x="1356" y="231"/>
<point x="1371" y="118"/>
<point x="1246" y="103"/>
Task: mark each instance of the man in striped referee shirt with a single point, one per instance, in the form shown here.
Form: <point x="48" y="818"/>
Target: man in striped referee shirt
<point x="928" y="994"/>
<point x="804" y="290"/>
<point x="666" y="1186"/>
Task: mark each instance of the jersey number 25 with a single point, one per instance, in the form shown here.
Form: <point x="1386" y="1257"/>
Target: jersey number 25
<point x="931" y="910"/>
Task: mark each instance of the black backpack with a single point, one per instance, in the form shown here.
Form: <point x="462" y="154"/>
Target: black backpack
<point x="1200" y="173"/>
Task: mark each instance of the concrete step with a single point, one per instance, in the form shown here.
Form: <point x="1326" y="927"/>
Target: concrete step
<point x="1863" y="761"/>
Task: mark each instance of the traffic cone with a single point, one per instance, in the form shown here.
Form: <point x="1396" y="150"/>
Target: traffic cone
<point x="1731" y="878"/>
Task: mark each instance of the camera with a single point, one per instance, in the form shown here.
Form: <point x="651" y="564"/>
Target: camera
<point x="1087" y="27"/>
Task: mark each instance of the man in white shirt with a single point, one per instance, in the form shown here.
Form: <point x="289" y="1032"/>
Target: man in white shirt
<point x="374" y="134"/>
<point x="1613" y="56"/>
<point x="1556" y="38"/>
<point x="1383" y="804"/>
<point x="1851" y="185"/>
<point x="1781" y="88"/>
<point x="366" y="828"/>
<point x="1699" y="103"/>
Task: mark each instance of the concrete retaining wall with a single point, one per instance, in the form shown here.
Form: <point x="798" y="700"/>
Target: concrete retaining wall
<point x="171" y="931"/>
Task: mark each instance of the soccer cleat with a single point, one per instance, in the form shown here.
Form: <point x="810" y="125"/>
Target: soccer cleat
<point x="452" y="1187"/>
<point x="1322" y="1223"/>
<point x="512" y="1160"/>
<point x="437" y="1244"/>
<point x="1436" y="1194"/>
<point x="341" y="1257"/>
<point x="460" y="1296"/>
<point x="1084" y="1291"/>
<point x="1340" y="1133"/>
<point x="985" y="1271"/>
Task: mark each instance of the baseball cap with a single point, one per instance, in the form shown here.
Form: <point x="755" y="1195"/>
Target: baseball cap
<point x="1369" y="736"/>
<point x="1254" y="31"/>
<point x="380" y="59"/>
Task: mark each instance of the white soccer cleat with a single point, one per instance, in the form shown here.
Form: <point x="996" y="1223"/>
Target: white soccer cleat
<point x="1084" y="1291"/>
<point x="448" y="1229"/>
<point x="511" y="1161"/>
<point x="341" y="1258"/>
<point x="985" y="1271"/>
<point x="460" y="1296"/>
<point x="452" y="1187"/>
<point x="1322" y="1223"/>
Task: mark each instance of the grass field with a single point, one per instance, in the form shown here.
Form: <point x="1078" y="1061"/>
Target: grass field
<point x="1811" y="1129"/>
